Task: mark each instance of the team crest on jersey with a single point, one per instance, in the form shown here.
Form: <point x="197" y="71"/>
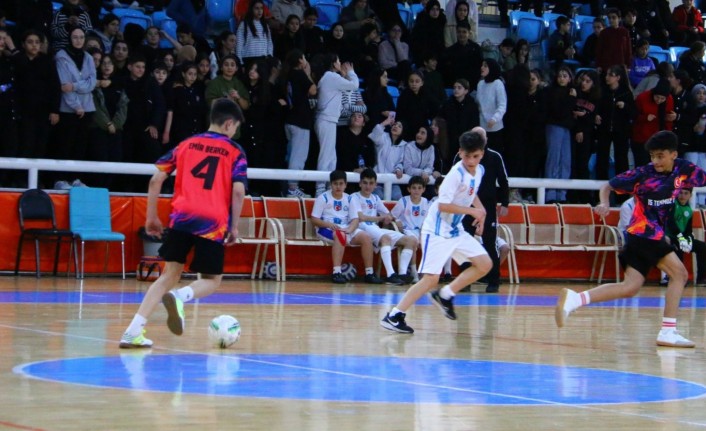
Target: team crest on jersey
<point x="337" y="205"/>
<point x="678" y="181"/>
<point x="370" y="204"/>
<point x="417" y="211"/>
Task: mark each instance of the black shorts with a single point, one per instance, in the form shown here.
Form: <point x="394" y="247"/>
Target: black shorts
<point x="642" y="253"/>
<point x="208" y="255"/>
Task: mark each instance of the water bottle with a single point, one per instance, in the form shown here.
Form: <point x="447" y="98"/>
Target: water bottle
<point x="702" y="124"/>
<point x="361" y="161"/>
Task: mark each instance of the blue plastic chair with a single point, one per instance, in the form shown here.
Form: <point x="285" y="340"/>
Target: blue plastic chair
<point x="329" y="12"/>
<point x="132" y="16"/>
<point x="660" y="54"/>
<point x="550" y="22"/>
<point x="219" y="10"/>
<point x="89" y="220"/>
<point x="531" y="29"/>
<point x="158" y="17"/>
<point x="405" y="15"/>
<point x="394" y="92"/>
<point x="675" y="52"/>
<point x="583" y="26"/>
<point x="514" y="17"/>
<point x="168" y="26"/>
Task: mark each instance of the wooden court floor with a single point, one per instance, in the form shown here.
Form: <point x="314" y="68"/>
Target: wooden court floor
<point x="313" y="357"/>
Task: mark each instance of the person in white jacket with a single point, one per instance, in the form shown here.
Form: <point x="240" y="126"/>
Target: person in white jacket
<point x="337" y="79"/>
<point x="492" y="102"/>
<point x="390" y="148"/>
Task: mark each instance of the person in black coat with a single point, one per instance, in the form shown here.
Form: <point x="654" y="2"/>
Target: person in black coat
<point x="461" y="114"/>
<point x="463" y="59"/>
<point x="428" y="31"/>
<point x="354" y="150"/>
<point x="415" y="108"/>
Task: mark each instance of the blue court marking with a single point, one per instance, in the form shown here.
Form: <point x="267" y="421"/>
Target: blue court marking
<point x="363" y="379"/>
<point x="328" y="298"/>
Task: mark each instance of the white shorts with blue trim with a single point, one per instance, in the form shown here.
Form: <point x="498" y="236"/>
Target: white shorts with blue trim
<point x="436" y="250"/>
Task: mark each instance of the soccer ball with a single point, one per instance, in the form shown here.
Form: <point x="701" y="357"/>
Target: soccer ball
<point x="270" y="271"/>
<point x="348" y="270"/>
<point x="224" y="331"/>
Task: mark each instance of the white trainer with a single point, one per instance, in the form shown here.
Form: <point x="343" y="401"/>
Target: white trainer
<point x="671" y="338"/>
<point x="564" y="306"/>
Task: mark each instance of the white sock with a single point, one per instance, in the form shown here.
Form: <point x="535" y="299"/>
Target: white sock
<point x="369" y="270"/>
<point x="446" y="292"/>
<point x="413" y="269"/>
<point x="136" y="326"/>
<point x="394" y="311"/>
<point x="186" y="293"/>
<point x="405" y="258"/>
<point x="336" y="269"/>
<point x="386" y="256"/>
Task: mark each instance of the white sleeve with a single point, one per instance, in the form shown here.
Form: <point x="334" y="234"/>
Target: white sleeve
<point x="448" y="188"/>
<point x="398" y="209"/>
<point x="318" y="210"/>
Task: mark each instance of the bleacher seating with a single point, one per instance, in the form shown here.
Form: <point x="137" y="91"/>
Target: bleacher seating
<point x="675" y="52"/>
<point x="219" y="10"/>
<point x="132" y="16"/>
<point x="531" y="29"/>
<point x="329" y="11"/>
<point x="405" y="14"/>
<point x="394" y="93"/>
<point x="660" y="54"/>
<point x="168" y="26"/>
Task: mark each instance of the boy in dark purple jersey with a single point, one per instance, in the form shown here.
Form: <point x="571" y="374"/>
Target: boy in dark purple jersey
<point x="655" y="187"/>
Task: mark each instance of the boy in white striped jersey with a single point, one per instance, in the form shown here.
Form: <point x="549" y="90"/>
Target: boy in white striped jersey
<point x="443" y="235"/>
<point x="373" y="211"/>
<point x="409" y="214"/>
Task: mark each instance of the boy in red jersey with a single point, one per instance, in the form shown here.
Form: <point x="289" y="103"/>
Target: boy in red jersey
<point x="208" y="196"/>
<point x="655" y="187"/>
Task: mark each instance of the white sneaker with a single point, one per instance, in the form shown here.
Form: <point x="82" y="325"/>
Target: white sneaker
<point x="671" y="338"/>
<point x="297" y="193"/>
<point x="565" y="305"/>
<point x="664" y="281"/>
<point x="62" y="185"/>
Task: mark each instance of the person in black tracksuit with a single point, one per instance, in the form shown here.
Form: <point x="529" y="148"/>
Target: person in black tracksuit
<point x="494" y="189"/>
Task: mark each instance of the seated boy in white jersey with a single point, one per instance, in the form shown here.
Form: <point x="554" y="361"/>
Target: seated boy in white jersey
<point x="409" y="214"/>
<point x="443" y="235"/>
<point x="373" y="211"/>
<point x="335" y="216"/>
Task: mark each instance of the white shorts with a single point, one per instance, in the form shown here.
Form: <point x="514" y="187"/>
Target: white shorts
<point x="499" y="242"/>
<point x="376" y="233"/>
<point x="326" y="235"/>
<point x="436" y="250"/>
<point x="413" y="232"/>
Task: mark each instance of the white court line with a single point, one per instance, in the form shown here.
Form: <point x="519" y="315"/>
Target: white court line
<point x="18" y="370"/>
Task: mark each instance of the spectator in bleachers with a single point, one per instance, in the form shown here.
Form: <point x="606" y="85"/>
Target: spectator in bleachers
<point x="415" y="107"/>
<point x="389" y="148"/>
<point x="299" y="117"/>
<point x="393" y="54"/>
<point x="106" y="128"/>
<point x="94" y="42"/>
<point x="614" y="45"/>
<point x="654" y="112"/>
<point x="376" y="98"/>
<point x="461" y="114"/>
<point x="689" y="25"/>
<point x="683" y="125"/>
<point x="637" y="30"/>
<point x="69" y="16"/>
<point x="97" y="56"/>
<point x="253" y="38"/>
<point x="492" y="102"/>
<point x="534" y="132"/>
<point x="588" y="95"/>
<point x="120" y="54"/>
<point x="460" y="12"/>
<point x="438" y="127"/>
<point x="351" y="102"/>
<point x="186" y="110"/>
<point x="354" y="150"/>
<point x="692" y="62"/>
<point x="167" y="58"/>
<point x="336" y="79"/>
<point x="203" y="65"/>
<point x="507" y="59"/>
<point x="225" y="45"/>
<point x="419" y="155"/>
<point x="521" y="52"/>
<point x="561" y="45"/>
<point x="428" y="32"/>
<point x="191" y="12"/>
<point x="109" y="30"/>
<point x="282" y="9"/>
<point x="356" y="15"/>
<point x="9" y="111"/>
<point x="614" y="116"/>
<point x="146" y="114"/>
<point x="187" y="37"/>
<point x="560" y="102"/>
<point x="227" y="85"/>
<point x="37" y="80"/>
<point x="663" y="70"/>
<point x="462" y="59"/>
<point x="335" y="42"/>
<point x="313" y="35"/>
<point x="433" y="80"/>
<point x="588" y="51"/>
<point x="517" y="146"/>
<point x="650" y="18"/>
<point x="166" y="85"/>
<point x="291" y="38"/>
<point x="365" y="48"/>
<point x="185" y="54"/>
<point x="641" y="65"/>
<point x="150" y="47"/>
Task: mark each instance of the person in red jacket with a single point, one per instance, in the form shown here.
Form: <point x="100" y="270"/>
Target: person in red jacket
<point x="614" y="45"/>
<point x="655" y="112"/>
<point x="689" y="24"/>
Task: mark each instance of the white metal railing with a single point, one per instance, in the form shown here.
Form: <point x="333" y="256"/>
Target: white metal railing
<point x="34" y="166"/>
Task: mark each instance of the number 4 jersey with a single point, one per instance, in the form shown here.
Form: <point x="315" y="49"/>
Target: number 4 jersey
<point x="207" y="166"/>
